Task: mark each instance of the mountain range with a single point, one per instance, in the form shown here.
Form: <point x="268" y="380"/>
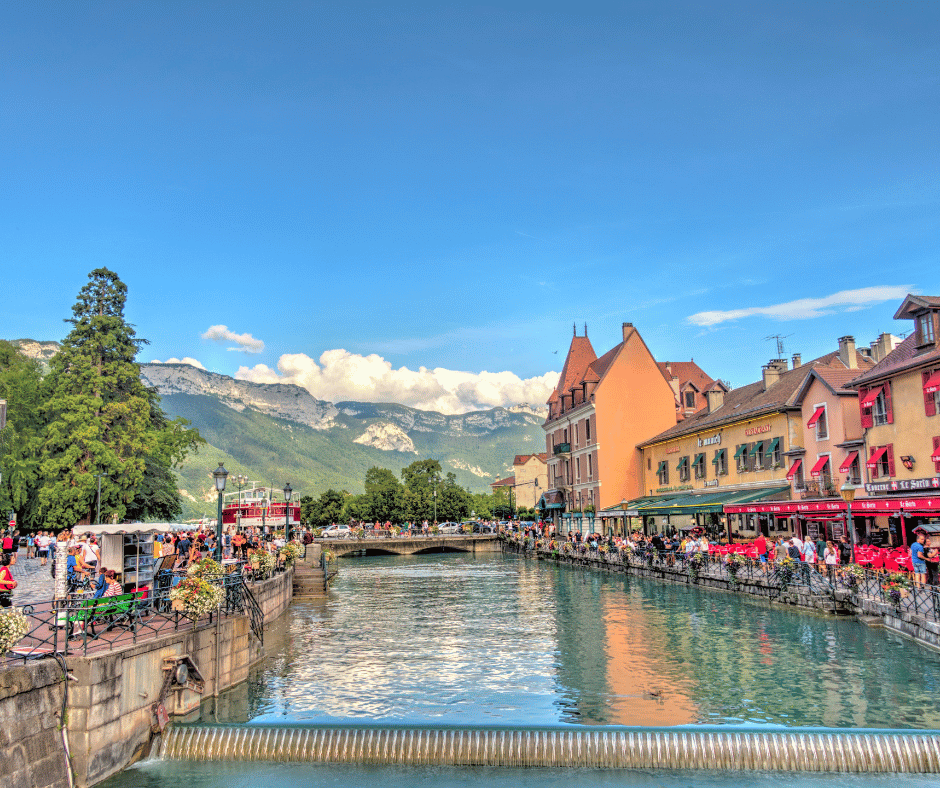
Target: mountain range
<point x="277" y="433"/>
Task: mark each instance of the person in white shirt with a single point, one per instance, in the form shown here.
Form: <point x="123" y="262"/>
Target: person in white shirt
<point x="90" y="554"/>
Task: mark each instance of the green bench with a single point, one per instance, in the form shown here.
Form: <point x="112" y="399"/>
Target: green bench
<point x="113" y="611"/>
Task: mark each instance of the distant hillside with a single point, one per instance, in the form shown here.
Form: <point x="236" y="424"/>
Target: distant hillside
<point x="278" y="433"/>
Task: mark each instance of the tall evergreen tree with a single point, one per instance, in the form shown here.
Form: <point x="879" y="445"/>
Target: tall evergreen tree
<point x="101" y="419"/>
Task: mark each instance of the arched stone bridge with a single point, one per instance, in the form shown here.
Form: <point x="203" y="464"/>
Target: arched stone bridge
<point x="483" y="543"/>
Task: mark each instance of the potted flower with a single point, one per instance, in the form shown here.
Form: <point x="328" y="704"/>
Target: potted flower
<point x="195" y="597"/>
<point x="290" y="553"/>
<point x="786" y="571"/>
<point x="733" y="564"/>
<point x="208" y="569"/>
<point x="13" y="627"/>
<point x="853" y="575"/>
<point x="696" y="564"/>
<point x="896" y="586"/>
<point x="262" y="564"/>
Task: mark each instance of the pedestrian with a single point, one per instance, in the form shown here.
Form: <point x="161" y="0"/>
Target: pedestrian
<point x="7" y="583"/>
<point x="917" y="560"/>
<point x="90" y="554"/>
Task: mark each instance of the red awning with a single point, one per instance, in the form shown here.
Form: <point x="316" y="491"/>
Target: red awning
<point x="816" y="415"/>
<point x="932" y="383"/>
<point x="936" y="455"/>
<point x="846" y="466"/>
<point x="871" y="396"/>
<point x="793" y="469"/>
<point x="817" y="468"/>
<point x="875" y="456"/>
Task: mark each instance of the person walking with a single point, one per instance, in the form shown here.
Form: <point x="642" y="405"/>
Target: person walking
<point x="7" y="583"/>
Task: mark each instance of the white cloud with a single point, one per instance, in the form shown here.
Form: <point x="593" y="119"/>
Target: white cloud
<point x="341" y="375"/>
<point x="246" y="342"/>
<point x="191" y="361"/>
<point x="805" y="308"/>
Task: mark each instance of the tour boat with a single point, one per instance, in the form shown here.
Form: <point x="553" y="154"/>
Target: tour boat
<point x="256" y="508"/>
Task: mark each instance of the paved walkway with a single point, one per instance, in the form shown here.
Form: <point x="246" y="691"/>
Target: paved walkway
<point x="33" y="582"/>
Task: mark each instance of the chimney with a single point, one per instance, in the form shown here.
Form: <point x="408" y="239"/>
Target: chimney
<point x="715" y="397"/>
<point x="882" y="346"/>
<point x="847" y="352"/>
<point x="627" y="330"/>
<point x="797" y="360"/>
<point x="771" y="375"/>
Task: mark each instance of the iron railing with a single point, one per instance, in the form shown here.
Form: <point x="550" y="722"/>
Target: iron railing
<point x="66" y="627"/>
<point x="851" y="581"/>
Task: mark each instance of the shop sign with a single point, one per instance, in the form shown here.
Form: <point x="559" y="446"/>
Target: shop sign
<point x="711" y="483"/>
<point x="673" y="449"/>
<point x="758" y="430"/>
<point x="680" y="488"/>
<point x="903" y="485"/>
<point x="714" y="440"/>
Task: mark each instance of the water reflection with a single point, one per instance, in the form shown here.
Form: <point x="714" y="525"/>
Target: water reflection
<point x="463" y="640"/>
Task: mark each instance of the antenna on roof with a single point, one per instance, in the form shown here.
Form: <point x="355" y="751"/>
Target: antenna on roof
<point x="779" y="339"/>
<point x="574" y="327"/>
<point x="585" y="329"/>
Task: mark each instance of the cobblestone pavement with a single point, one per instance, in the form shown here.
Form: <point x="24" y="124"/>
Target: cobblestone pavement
<point x="33" y="582"/>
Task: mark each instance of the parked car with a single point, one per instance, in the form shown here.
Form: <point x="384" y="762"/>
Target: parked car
<point x="335" y="532"/>
<point x="449" y="528"/>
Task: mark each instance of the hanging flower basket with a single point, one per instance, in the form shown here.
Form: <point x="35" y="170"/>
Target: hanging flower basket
<point x="207" y="569"/>
<point x="13" y="627"/>
<point x="195" y="597"/>
<point x="262" y="564"/>
<point x="290" y="553"/>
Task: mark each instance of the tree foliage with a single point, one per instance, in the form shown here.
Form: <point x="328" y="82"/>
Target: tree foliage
<point x="99" y="418"/>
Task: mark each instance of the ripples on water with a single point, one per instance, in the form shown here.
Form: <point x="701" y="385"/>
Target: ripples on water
<point x="457" y="639"/>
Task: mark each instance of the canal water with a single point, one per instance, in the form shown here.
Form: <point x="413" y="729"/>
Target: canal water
<point x="454" y="639"/>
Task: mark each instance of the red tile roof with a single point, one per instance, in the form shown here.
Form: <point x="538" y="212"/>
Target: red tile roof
<point x="509" y="481"/>
<point x="901" y="359"/>
<point x="688" y="375"/>
<point x="522" y="459"/>
<point x="580" y="355"/>
<point x="753" y="399"/>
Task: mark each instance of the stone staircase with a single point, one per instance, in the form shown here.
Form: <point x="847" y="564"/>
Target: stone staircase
<point x="309" y="581"/>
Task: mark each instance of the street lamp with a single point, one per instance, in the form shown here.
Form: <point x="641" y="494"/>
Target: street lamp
<point x="220" y="475"/>
<point x="287" y="494"/>
<point x="99" y="477"/>
<point x="847" y="491"/>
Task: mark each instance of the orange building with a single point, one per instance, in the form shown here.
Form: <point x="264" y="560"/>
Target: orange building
<point x="600" y="410"/>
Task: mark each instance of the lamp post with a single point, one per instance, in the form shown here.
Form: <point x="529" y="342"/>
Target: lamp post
<point x="99" y="477"/>
<point x="847" y="491"/>
<point x="240" y="480"/>
<point x="220" y="475"/>
<point x="287" y="494"/>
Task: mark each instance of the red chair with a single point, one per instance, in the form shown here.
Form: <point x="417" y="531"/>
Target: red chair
<point x="878" y="561"/>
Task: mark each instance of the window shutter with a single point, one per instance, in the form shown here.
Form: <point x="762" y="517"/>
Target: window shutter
<point x="936" y="445"/>
<point x="867" y="419"/>
<point x="889" y="413"/>
<point x="890" y="455"/>
<point x="930" y="406"/>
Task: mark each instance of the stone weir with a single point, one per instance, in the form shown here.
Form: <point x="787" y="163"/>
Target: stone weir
<point x="703" y="749"/>
<point x="109" y="697"/>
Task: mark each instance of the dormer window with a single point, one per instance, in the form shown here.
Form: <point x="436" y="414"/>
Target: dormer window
<point x="690" y="399"/>
<point x="925" y="329"/>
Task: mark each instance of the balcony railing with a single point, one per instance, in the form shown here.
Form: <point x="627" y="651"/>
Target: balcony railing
<point x="561" y="448"/>
<point x="819" y="488"/>
<point x="560" y="483"/>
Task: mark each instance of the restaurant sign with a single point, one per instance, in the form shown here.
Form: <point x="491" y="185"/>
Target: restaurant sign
<point x="758" y="430"/>
<point x="903" y="485"/>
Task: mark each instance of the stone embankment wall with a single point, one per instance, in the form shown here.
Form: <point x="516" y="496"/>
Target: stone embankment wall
<point x="110" y="701"/>
<point x="871" y="612"/>
<point x="30" y="726"/>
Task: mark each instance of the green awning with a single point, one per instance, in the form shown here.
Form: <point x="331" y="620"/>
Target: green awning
<point x="756" y="448"/>
<point x="719" y="454"/>
<point x="699" y="458"/>
<point x="741" y="449"/>
<point x="661" y="467"/>
<point x="704" y="503"/>
<point x="772" y="446"/>
<point x="682" y="463"/>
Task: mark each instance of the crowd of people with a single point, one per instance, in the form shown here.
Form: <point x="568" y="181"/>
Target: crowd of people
<point x="822" y="554"/>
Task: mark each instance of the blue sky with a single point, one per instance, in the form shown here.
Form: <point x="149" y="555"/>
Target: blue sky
<point x="358" y="192"/>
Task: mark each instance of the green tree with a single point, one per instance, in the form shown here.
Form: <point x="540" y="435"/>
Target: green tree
<point x="20" y="386"/>
<point x="385" y="495"/>
<point x="421" y="479"/>
<point x="100" y="418"/>
<point x="453" y="501"/>
<point x="309" y="510"/>
<point x="330" y="508"/>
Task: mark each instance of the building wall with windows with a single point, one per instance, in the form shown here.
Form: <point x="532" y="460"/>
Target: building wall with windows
<point x="749" y="452"/>
<point x="531" y="478"/>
